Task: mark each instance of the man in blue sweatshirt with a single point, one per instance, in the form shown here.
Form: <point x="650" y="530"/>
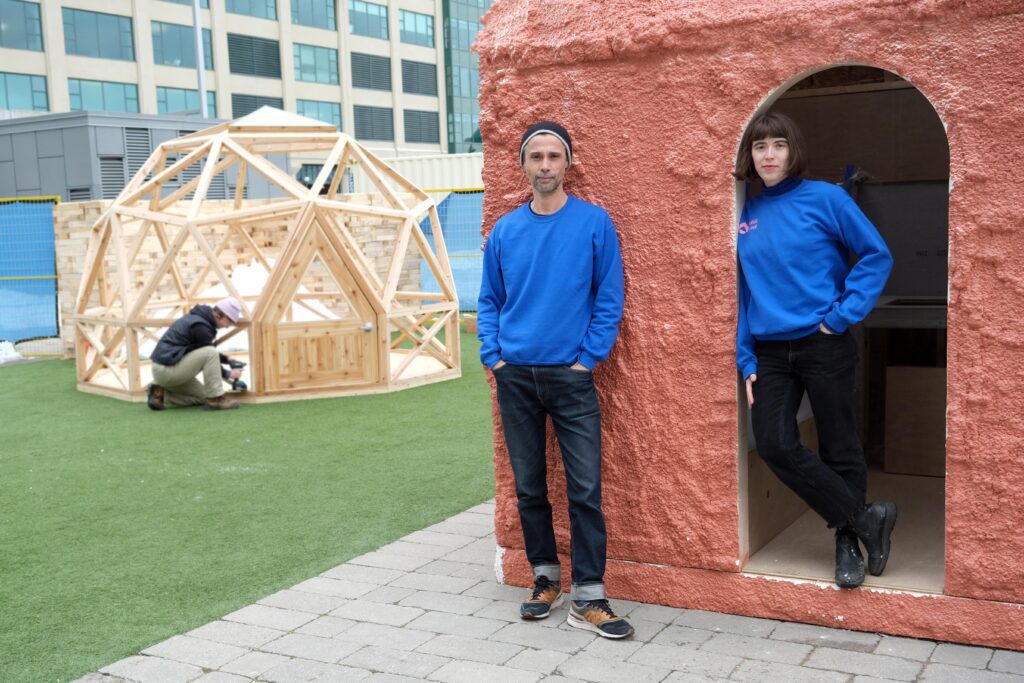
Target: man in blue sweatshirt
<point x="549" y="310"/>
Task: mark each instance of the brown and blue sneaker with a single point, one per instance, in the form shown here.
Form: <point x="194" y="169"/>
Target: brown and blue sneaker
<point x="545" y="596"/>
<point x="597" y="616"/>
<point x="155" y="397"/>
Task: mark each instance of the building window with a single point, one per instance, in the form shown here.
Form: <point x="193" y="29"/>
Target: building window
<point x="19" y="25"/>
<point x="205" y="4"/>
<point x="23" y="92"/>
<point x="371" y="71"/>
<point x="315" y="64"/>
<point x="465" y="81"/>
<point x="374" y="123"/>
<point x="95" y="34"/>
<point x="174" y="45"/>
<point x="462" y="33"/>
<point x="367" y="19"/>
<point x="253" y="56"/>
<point x="247" y="104"/>
<point x="419" y="78"/>
<point x="416" y="28"/>
<point x="264" y="9"/>
<point x="328" y="112"/>
<point x="318" y="13"/>
<point x="183" y="101"/>
<point x="421" y="126"/>
<point x="463" y="132"/>
<point x="103" y="96"/>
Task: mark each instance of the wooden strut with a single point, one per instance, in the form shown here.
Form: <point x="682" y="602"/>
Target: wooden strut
<point x="426" y="338"/>
<point x="103" y="353"/>
<point x="156" y="183"/>
<point x="372" y="172"/>
<point x="433" y="346"/>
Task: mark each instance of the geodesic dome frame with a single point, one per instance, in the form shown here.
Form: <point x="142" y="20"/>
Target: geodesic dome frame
<point x="338" y="309"/>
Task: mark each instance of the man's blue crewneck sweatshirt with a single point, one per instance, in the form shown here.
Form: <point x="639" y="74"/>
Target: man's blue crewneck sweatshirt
<point x="793" y="245"/>
<point x="551" y="292"/>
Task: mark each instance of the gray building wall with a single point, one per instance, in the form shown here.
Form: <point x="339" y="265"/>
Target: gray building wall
<point x="80" y="156"/>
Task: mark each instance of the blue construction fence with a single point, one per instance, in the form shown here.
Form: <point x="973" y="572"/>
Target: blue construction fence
<point x="28" y="270"/>
<point x="461" y="215"/>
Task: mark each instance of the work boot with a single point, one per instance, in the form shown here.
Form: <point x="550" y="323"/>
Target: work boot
<point x="546" y="596"/>
<point x="155" y="397"/>
<point x="597" y="616"/>
<point x="849" y="561"/>
<point x="219" y="403"/>
<point x="873" y="526"/>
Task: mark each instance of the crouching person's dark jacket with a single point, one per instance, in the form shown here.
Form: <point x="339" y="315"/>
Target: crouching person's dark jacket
<point x="188" y="333"/>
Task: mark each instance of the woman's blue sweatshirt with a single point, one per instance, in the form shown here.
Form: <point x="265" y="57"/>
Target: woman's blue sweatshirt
<point x="551" y="292"/>
<point x="794" y="243"/>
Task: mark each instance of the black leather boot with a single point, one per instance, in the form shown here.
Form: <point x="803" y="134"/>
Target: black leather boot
<point x="849" y="561"/>
<point x="873" y="526"/>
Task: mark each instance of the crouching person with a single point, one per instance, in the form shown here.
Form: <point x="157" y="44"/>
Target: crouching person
<point x="185" y="351"/>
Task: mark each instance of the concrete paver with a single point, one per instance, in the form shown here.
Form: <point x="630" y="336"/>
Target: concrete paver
<point x="962" y="655"/>
<point x="541" y="661"/>
<point x="907" y="648"/>
<point x="299" y="601"/>
<point x="590" y="668"/>
<point x="947" y="673"/>
<point x="427" y="607"/>
<point x="828" y="637"/>
<point x="757" y="648"/>
<point x="685" y="660"/>
<point x="860" y="663"/>
<point x="271" y="617"/>
<point x="188" y="650"/>
<point x="341" y="588"/>
<point x="401" y="662"/>
<point x="444" y="602"/>
<point x="253" y="664"/>
<point x="233" y="633"/>
<point x="326" y="626"/>
<point x="1010" y="662"/>
<point x="319" y="649"/>
<point x="378" y="635"/>
<point x="456" y="624"/>
<point x="470" y="649"/>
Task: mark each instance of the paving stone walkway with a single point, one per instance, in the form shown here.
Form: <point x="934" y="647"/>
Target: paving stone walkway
<point x="427" y="607"/>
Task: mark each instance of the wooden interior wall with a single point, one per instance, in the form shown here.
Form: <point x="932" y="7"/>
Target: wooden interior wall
<point x="894" y="135"/>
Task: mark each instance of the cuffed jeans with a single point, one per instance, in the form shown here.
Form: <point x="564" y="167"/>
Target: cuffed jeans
<point x="526" y="396"/>
<point x="835" y="484"/>
<point x="181" y="388"/>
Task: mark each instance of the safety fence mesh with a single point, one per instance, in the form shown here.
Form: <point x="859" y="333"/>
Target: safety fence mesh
<point x="461" y="215"/>
<point x="28" y="273"/>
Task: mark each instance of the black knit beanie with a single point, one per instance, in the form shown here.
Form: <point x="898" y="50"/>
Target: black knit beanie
<point x="549" y="128"/>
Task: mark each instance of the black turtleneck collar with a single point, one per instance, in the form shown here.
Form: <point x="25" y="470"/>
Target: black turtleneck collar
<point x="790" y="183"/>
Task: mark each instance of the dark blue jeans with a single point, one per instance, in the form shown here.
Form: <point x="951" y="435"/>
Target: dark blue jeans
<point x="527" y="395"/>
<point x="835" y="484"/>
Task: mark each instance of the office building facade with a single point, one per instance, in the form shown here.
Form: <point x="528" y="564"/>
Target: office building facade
<point x="374" y="69"/>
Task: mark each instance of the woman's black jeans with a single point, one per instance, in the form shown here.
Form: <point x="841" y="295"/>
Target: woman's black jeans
<point x="526" y="396"/>
<point x="835" y="484"/>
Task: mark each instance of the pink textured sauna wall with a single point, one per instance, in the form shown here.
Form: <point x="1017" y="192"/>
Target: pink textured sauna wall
<point x="656" y="94"/>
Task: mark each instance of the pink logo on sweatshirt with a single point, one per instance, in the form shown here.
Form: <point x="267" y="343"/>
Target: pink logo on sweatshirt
<point x="746" y="227"/>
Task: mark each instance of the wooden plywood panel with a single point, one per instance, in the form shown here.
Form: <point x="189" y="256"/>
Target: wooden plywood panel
<point x="772" y="505"/>
<point x="915" y="421"/>
<point x="319" y="354"/>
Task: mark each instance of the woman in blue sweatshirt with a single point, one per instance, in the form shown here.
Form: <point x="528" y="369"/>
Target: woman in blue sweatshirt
<point x="798" y="297"/>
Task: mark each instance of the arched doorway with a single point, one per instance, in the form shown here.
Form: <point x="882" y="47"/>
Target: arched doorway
<point x="873" y="132"/>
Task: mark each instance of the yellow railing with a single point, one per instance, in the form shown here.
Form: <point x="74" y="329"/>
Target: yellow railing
<point x="31" y="200"/>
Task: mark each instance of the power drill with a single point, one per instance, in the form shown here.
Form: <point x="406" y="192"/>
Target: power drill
<point x="237" y="384"/>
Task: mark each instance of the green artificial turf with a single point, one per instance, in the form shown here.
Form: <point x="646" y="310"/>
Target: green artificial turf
<point x="120" y="526"/>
